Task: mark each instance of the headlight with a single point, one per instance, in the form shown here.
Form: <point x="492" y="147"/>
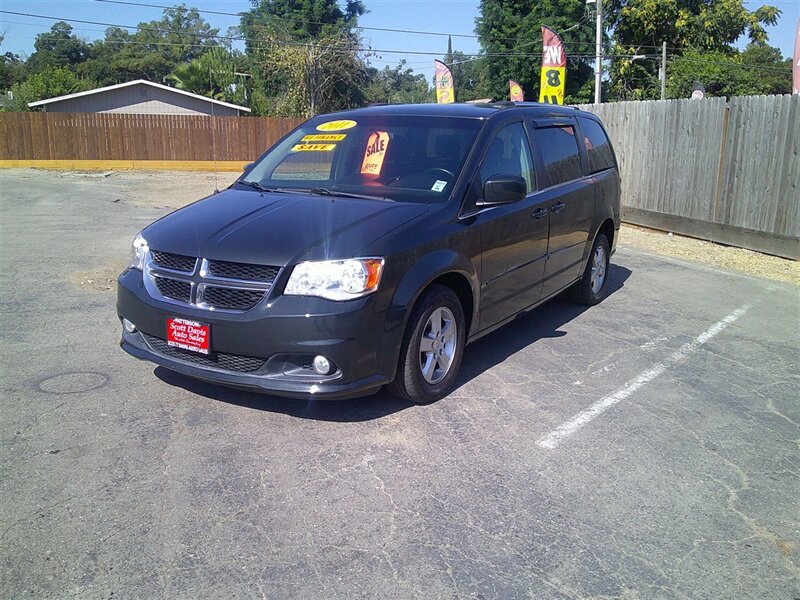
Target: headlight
<point x="336" y="279"/>
<point x="139" y="251"/>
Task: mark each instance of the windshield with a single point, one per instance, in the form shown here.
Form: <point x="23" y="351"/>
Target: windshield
<point x="412" y="159"/>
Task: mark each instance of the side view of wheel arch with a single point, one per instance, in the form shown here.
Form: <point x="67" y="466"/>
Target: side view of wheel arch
<point x="446" y="268"/>
<point x="608" y="229"/>
<point x="460" y="285"/>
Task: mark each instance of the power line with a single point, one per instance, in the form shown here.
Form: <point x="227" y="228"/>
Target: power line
<point x="277" y="18"/>
<point x="274" y="17"/>
<point x="348" y="49"/>
<point x="282" y="42"/>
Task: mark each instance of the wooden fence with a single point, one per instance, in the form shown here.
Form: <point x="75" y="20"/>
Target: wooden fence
<point x="726" y="172"/>
<point x="95" y="136"/>
<point x="729" y="173"/>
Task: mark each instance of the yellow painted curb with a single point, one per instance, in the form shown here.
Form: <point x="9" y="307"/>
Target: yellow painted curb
<point x="127" y="165"/>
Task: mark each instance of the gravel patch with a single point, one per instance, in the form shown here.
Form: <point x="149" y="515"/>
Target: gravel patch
<point x="709" y="253"/>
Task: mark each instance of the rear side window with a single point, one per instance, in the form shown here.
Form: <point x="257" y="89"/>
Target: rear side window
<point x="558" y="147"/>
<point x="598" y="148"/>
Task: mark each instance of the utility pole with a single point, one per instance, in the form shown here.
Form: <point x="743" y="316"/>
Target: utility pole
<point x="663" y="71"/>
<point x="598" y="59"/>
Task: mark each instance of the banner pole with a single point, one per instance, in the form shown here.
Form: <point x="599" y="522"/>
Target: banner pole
<point x="598" y="60"/>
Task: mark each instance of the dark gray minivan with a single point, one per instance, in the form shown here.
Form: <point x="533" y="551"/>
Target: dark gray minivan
<point x="368" y="247"/>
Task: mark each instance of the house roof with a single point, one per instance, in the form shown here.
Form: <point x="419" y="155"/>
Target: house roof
<point x="136" y="82"/>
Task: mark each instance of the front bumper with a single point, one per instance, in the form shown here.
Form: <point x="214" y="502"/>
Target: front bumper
<point x="360" y="339"/>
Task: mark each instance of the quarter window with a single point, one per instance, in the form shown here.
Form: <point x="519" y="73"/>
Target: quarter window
<point x="598" y="148"/>
<point x="559" y="150"/>
<point x="509" y="154"/>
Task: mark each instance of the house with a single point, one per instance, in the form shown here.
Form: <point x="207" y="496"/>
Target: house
<point x="139" y="97"/>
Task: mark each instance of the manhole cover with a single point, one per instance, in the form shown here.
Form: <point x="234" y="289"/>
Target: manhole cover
<point x="72" y="383"/>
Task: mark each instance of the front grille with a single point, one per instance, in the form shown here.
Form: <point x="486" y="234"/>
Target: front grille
<point x="177" y="262"/>
<point x="250" y="272"/>
<point x="217" y="284"/>
<point x="174" y="289"/>
<point x="216" y="360"/>
<point x="231" y="298"/>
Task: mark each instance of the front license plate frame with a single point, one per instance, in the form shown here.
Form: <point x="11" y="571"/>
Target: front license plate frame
<point x="189" y="335"/>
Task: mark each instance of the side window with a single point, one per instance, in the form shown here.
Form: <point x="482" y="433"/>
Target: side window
<point x="509" y="154"/>
<point x="598" y="148"/>
<point x="559" y="149"/>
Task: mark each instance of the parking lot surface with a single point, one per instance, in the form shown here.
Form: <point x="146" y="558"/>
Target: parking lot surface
<point x="648" y="447"/>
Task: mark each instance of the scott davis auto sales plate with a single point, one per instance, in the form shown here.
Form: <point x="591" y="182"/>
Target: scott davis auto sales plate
<point x="189" y="335"/>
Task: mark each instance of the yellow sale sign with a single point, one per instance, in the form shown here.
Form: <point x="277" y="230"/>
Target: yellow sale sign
<point x="554" y="68"/>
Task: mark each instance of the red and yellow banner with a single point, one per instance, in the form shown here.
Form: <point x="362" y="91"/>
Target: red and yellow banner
<point x="554" y="68"/>
<point x="445" y="92"/>
<point x="516" y="93"/>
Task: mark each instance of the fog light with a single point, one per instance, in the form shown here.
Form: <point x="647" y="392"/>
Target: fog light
<point x="128" y="326"/>
<point x="322" y="365"/>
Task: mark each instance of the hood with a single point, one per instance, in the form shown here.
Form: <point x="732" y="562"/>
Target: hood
<point x="277" y="229"/>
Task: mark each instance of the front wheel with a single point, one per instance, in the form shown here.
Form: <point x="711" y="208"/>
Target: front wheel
<point x="592" y="287"/>
<point x="432" y="348"/>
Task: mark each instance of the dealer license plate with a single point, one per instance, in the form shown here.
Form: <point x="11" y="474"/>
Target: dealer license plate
<point x="189" y="335"/>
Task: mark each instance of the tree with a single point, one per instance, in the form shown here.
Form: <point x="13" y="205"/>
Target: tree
<point x="318" y="77"/>
<point x="153" y="51"/>
<point x="697" y="24"/>
<point x="468" y="76"/>
<point x="12" y="69"/>
<point x="759" y="69"/>
<point x="47" y="83"/>
<point x="212" y="75"/>
<point x="57" y="48"/>
<point x="509" y="32"/>
<point x="300" y="19"/>
<point x="708" y="26"/>
<point x="398" y="85"/>
<point x="305" y="56"/>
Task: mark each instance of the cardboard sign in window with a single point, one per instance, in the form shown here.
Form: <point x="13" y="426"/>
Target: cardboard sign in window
<point x="377" y="145"/>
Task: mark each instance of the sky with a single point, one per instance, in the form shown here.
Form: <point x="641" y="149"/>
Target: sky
<point x="451" y="16"/>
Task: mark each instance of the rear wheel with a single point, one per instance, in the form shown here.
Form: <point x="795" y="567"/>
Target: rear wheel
<point x="432" y="348"/>
<point x="593" y="285"/>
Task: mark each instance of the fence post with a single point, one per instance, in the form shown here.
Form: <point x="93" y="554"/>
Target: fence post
<point x="721" y="164"/>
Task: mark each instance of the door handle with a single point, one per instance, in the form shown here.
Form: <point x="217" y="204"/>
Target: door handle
<point x="539" y="213"/>
<point x="557" y="207"/>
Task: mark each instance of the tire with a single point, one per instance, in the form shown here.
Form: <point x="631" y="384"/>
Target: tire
<point x="592" y="287"/>
<point x="422" y="377"/>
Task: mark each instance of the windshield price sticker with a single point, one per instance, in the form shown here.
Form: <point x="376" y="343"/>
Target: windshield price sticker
<point x="377" y="144"/>
<point x="324" y="137"/>
<point x="313" y="147"/>
<point x="339" y="125"/>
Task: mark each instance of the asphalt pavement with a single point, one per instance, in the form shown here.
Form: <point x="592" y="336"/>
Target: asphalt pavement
<point x="648" y="447"/>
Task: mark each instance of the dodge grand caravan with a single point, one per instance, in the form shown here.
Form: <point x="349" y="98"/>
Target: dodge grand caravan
<point x="367" y="248"/>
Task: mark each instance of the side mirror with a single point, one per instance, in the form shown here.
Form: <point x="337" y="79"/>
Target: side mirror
<point x="503" y="189"/>
<point x="248" y="167"/>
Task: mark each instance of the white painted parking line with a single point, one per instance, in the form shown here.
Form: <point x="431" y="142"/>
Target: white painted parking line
<point x="555" y="437"/>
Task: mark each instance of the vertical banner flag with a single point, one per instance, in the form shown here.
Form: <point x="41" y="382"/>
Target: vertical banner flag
<point x="445" y="94"/>
<point x="516" y="91"/>
<point x="796" y="63"/>
<point x="554" y="68"/>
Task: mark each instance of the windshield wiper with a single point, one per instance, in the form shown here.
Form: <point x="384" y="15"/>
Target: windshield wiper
<point x="258" y="186"/>
<point x="326" y="192"/>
